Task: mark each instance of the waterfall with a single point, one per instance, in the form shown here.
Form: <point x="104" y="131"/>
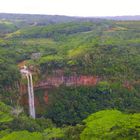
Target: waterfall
<point x="30" y="95"/>
<point x="28" y="74"/>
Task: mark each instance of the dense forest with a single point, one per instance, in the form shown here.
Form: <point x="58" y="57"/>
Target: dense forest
<point x="60" y="47"/>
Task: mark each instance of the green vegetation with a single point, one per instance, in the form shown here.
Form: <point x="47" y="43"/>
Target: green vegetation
<point x="111" y="124"/>
<point x="105" y="49"/>
<point x="4" y="113"/>
<point x="23" y="135"/>
<point x="70" y="46"/>
<point x="106" y="125"/>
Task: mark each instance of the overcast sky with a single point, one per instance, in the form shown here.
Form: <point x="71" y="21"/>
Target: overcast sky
<point x="72" y="7"/>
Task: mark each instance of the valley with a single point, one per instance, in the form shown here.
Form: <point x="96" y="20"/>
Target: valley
<point x="81" y="76"/>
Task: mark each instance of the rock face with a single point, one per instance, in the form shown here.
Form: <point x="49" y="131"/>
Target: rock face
<point x="46" y="97"/>
<point x="56" y="81"/>
<point x="22" y="89"/>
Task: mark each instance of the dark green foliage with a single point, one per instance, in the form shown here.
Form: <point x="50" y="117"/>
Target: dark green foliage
<point x="53" y="133"/>
<point x="6" y="27"/>
<point x="73" y="132"/>
<point x="9" y="77"/>
<point x="25" y="123"/>
<point x="8" y="74"/>
<point x="70" y="105"/>
<point x="5" y="115"/>
<point x="5" y="118"/>
<point x="52" y="31"/>
<point x="11" y="121"/>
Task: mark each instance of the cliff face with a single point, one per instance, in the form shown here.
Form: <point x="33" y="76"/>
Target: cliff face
<point x="23" y="89"/>
<point x="56" y="81"/>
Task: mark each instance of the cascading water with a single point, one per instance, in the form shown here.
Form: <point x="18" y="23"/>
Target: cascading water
<point x="30" y="92"/>
<point x="31" y="95"/>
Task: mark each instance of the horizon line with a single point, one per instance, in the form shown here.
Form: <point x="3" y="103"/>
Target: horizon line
<point x="67" y="15"/>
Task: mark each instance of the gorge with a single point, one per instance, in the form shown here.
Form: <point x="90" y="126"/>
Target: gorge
<point x="68" y="80"/>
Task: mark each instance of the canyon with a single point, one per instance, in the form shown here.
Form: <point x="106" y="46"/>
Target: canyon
<point x="46" y="84"/>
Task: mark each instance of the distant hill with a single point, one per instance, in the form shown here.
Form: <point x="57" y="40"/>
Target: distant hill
<point x="31" y="19"/>
<point x="34" y="19"/>
<point x="136" y="17"/>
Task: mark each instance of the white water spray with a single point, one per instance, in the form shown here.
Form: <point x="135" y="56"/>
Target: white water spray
<point x="30" y="92"/>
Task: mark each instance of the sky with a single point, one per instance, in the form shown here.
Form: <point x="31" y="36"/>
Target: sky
<point x="85" y="8"/>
